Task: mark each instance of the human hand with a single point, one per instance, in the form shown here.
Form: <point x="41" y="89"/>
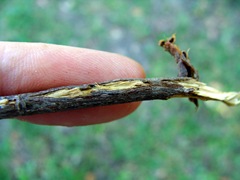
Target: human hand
<point x="30" y="67"/>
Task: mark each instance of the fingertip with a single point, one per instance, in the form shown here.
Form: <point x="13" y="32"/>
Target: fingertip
<point x="35" y="67"/>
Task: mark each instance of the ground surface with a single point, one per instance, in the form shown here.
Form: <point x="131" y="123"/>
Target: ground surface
<point x="162" y="139"/>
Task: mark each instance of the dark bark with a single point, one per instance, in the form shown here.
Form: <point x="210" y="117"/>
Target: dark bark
<point x="106" y="93"/>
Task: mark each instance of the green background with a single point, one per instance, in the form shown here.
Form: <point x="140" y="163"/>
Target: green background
<point x="162" y="139"/>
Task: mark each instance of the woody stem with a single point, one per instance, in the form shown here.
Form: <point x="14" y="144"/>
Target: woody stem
<point x="109" y="93"/>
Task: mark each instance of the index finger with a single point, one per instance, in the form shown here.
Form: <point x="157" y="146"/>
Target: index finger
<point x="28" y="67"/>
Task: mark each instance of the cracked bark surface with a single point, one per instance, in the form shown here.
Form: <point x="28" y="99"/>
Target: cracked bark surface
<point x="109" y="93"/>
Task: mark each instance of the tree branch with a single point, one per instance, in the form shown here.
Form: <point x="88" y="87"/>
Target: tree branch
<point x="109" y="93"/>
<point x="119" y="91"/>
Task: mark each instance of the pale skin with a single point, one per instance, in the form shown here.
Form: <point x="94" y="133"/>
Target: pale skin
<point x="30" y="67"/>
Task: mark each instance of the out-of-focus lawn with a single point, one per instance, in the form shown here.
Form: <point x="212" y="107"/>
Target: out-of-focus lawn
<point x="162" y="139"/>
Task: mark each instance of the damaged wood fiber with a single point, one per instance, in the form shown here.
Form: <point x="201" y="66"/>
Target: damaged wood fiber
<point x="186" y="85"/>
<point x="185" y="69"/>
<point x="108" y="93"/>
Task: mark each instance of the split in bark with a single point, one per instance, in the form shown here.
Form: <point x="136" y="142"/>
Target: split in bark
<point x="109" y="93"/>
<point x="119" y="91"/>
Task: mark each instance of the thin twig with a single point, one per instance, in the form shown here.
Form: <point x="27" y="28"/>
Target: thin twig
<point x="109" y="93"/>
<point x="119" y="91"/>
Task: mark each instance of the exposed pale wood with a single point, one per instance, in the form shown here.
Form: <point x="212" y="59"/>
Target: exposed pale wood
<point x="109" y="93"/>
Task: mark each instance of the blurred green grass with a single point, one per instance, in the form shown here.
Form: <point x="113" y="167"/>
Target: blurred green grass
<point x="162" y="139"/>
